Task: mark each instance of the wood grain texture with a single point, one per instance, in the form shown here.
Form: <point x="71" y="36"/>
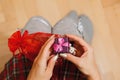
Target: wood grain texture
<point x="105" y="15"/>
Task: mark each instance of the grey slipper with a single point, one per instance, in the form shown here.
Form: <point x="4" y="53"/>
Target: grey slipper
<point x="85" y="27"/>
<point x="67" y="25"/>
<point x="37" y="24"/>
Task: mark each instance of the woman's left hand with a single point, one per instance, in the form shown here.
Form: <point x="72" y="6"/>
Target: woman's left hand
<point x="43" y="65"/>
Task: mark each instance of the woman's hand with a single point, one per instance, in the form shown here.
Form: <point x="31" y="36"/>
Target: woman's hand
<point x="43" y="65"/>
<point x="85" y="63"/>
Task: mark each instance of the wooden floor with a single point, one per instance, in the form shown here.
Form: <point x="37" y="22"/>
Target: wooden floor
<point x="105" y="15"/>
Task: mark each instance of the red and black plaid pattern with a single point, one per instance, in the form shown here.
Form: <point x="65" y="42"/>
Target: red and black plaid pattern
<point x="67" y="71"/>
<point x="18" y="68"/>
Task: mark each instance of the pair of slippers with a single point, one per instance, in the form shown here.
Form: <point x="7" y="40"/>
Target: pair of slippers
<point x="70" y="24"/>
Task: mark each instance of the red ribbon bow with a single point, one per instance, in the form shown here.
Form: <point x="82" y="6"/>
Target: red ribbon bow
<point x="27" y="44"/>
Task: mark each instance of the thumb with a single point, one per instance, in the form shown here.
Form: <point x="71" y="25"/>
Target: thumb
<point x="70" y="58"/>
<point x="51" y="64"/>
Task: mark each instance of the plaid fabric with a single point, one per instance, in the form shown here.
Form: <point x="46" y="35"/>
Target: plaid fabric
<point x="67" y="71"/>
<point x="18" y="67"/>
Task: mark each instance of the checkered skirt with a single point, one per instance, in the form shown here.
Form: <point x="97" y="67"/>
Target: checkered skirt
<point x="18" y="67"/>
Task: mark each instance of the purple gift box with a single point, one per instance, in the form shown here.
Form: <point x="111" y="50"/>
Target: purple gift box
<point x="61" y="45"/>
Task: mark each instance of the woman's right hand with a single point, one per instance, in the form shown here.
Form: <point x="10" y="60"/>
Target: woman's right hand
<point x="85" y="63"/>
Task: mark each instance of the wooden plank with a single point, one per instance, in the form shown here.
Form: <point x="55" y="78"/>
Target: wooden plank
<point x="107" y="3"/>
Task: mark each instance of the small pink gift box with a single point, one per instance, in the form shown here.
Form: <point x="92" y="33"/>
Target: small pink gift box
<point x="61" y="45"/>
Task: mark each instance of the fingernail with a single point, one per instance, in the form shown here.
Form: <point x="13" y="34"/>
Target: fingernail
<point x="63" y="55"/>
<point x="55" y="57"/>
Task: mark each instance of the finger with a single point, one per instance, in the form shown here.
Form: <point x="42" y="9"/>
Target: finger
<point x="70" y="58"/>
<point x="78" y="39"/>
<point x="50" y="57"/>
<point x="51" y="64"/>
<point x="52" y="37"/>
<point x="84" y="55"/>
<point x="45" y="50"/>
